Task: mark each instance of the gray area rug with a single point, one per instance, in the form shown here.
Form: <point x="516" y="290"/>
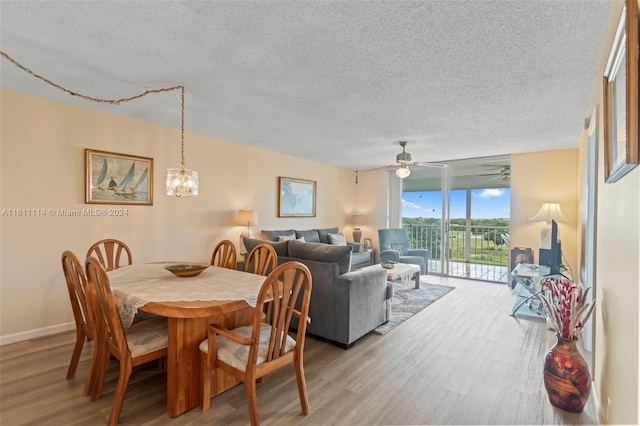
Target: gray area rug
<point x="408" y="301"/>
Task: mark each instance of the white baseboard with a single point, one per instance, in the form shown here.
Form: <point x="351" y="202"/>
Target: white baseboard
<point x="39" y="332"/>
<point x="597" y="404"/>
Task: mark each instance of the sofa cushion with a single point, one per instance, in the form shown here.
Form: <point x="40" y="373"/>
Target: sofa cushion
<point x="273" y="235"/>
<point x="324" y="234"/>
<point x="322" y="253"/>
<point x="360" y="260"/>
<point x="310" y="236"/>
<point x="281" y="247"/>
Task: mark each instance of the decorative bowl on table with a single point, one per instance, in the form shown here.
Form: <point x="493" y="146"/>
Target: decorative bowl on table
<point x="388" y="265"/>
<point x="186" y="269"/>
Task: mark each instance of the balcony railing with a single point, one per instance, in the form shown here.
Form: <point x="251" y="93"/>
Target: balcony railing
<point x="467" y="245"/>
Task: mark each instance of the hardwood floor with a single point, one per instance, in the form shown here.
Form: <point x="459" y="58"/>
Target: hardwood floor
<point x="462" y="360"/>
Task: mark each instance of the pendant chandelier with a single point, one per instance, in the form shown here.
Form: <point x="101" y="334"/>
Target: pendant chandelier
<point x="181" y="182"/>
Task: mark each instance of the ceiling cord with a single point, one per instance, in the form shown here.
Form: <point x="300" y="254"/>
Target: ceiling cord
<point x="109" y="101"/>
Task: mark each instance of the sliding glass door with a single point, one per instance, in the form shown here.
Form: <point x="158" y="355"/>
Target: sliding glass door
<point x="459" y="211"/>
<point x="423" y="210"/>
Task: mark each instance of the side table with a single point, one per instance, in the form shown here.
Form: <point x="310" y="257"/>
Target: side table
<point x="373" y="252"/>
<point x="527" y="277"/>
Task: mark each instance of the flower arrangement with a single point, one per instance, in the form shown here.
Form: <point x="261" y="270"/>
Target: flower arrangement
<point x="566" y="305"/>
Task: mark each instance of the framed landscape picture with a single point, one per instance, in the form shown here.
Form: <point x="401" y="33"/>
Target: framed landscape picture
<point x="296" y="197"/>
<point x="113" y="178"/>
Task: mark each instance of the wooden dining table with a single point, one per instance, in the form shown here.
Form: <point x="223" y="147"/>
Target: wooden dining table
<point x="218" y="295"/>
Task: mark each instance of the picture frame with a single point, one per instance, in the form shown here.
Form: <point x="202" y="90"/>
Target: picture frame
<point x="114" y="178"/>
<point x="620" y="98"/>
<point x="296" y="197"/>
<point x="368" y="245"/>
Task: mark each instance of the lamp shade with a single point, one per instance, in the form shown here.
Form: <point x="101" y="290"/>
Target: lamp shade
<point x="247" y="217"/>
<point x="357" y="219"/>
<point x="549" y="212"/>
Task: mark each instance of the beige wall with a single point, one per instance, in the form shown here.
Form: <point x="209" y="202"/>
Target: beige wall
<point x="372" y="199"/>
<point x="617" y="374"/>
<point x="617" y="316"/>
<point x="42" y="167"/>
<point x="540" y="177"/>
<point x="617" y="327"/>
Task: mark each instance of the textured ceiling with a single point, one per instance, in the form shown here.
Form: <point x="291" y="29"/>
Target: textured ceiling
<point x="335" y="82"/>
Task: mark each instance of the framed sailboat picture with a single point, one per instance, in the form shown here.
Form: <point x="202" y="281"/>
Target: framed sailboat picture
<point x="113" y="178"/>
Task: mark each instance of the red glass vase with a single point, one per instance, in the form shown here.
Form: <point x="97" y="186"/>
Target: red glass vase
<point x="566" y="376"/>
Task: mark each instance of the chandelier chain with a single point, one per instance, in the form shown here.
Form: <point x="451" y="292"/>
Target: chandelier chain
<point x="109" y="101"/>
<point x="182" y="129"/>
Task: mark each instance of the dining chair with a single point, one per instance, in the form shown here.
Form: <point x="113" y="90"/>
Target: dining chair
<point x="110" y="253"/>
<point x="84" y="317"/>
<point x="224" y="255"/>
<point x="141" y="343"/>
<point x="262" y="259"/>
<point x="250" y="352"/>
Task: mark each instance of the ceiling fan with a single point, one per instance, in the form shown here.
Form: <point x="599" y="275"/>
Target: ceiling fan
<point x="504" y="174"/>
<point x="404" y="159"/>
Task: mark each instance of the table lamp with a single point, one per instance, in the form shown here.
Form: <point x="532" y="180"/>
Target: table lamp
<point x="248" y="218"/>
<point x="356" y="220"/>
<point x="547" y="213"/>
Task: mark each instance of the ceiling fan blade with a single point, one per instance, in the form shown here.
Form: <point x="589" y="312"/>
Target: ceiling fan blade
<point x="377" y="168"/>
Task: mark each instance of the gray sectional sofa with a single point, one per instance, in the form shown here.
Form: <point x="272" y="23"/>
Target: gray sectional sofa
<point x="345" y="304"/>
<point x="359" y="257"/>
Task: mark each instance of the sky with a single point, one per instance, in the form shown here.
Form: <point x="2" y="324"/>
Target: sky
<point x="485" y="204"/>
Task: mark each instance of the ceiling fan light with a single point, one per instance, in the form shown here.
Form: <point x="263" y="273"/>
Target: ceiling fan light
<point x="403" y="171"/>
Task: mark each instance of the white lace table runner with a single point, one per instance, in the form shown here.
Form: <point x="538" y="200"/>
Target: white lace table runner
<point x="137" y="285"/>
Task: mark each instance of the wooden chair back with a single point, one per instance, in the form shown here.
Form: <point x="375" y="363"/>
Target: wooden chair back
<point x="266" y="345"/>
<point x="83" y="315"/>
<point x="109" y="324"/>
<point x="111" y="253"/>
<point x="224" y="255"/>
<point x="262" y="259"/>
<point x="285" y="294"/>
<point x="150" y="342"/>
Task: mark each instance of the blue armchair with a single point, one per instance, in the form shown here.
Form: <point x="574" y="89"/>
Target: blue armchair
<point x="394" y="246"/>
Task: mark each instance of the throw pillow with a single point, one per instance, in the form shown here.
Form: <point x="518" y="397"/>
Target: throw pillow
<point x="323" y="234"/>
<point x="338" y="239"/>
<point x="290" y="238"/>
<point x="273" y="235"/>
